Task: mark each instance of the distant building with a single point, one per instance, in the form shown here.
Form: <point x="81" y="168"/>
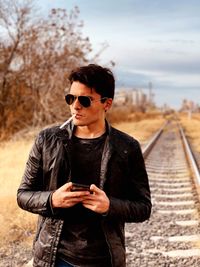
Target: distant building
<point x="133" y="97"/>
<point x="138" y="97"/>
<point x="188" y="105"/>
<point x="120" y="97"/>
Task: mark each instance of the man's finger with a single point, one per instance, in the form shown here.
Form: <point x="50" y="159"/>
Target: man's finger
<point x="67" y="186"/>
<point x="95" y="189"/>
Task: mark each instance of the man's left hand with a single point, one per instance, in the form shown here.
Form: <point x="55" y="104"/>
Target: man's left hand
<point x="97" y="201"/>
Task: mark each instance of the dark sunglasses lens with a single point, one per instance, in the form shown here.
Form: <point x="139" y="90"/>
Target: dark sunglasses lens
<point x="69" y="99"/>
<point x="84" y="101"/>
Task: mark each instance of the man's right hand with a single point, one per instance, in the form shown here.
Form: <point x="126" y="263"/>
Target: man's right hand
<point x="64" y="198"/>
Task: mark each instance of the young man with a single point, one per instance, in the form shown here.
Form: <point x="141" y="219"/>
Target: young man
<point x="84" y="226"/>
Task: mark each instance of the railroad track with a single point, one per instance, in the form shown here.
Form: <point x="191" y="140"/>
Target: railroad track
<point x="171" y="238"/>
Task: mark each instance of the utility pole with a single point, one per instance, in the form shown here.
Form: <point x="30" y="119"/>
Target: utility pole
<point x="151" y="94"/>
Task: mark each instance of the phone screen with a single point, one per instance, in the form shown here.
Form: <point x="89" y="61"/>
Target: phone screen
<point x="80" y="187"/>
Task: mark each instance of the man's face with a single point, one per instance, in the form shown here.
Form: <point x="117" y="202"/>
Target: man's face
<point x="92" y="115"/>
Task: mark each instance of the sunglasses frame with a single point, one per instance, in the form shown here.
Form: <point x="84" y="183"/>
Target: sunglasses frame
<point x="81" y="100"/>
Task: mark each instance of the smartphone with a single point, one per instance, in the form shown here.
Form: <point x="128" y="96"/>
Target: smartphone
<point x="80" y="187"/>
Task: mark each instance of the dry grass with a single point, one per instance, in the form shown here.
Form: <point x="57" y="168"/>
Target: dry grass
<point x="16" y="224"/>
<point x="191" y="127"/>
<point x="141" y="130"/>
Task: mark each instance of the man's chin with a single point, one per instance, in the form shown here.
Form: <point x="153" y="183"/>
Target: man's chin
<point x="79" y="123"/>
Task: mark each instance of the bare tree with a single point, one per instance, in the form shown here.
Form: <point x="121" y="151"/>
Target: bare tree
<point x="13" y="20"/>
<point x="36" y="57"/>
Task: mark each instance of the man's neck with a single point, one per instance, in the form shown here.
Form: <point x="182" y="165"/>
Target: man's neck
<point x="89" y="132"/>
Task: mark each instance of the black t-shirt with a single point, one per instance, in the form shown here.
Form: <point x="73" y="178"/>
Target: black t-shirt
<point x="86" y="159"/>
<point x="82" y="241"/>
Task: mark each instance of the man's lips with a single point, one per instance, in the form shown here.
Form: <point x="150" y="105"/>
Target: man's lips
<point x="78" y="116"/>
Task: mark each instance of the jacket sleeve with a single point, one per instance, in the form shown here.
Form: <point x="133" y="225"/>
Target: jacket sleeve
<point x="136" y="207"/>
<point x="31" y="195"/>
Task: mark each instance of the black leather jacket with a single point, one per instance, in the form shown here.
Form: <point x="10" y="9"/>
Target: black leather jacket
<point x="123" y="177"/>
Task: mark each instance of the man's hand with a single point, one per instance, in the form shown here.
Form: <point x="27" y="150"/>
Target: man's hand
<point x="97" y="201"/>
<point x="64" y="198"/>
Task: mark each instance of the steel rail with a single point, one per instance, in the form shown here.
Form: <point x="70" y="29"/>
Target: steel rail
<point x="151" y="143"/>
<point x="190" y="155"/>
<point x="191" y="158"/>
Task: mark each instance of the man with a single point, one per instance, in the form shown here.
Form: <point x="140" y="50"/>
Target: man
<point x="85" y="228"/>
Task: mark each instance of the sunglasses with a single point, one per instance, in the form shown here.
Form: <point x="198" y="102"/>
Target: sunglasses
<point x="85" y="101"/>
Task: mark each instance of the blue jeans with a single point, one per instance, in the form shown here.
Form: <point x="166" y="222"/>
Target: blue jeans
<point x="61" y="263"/>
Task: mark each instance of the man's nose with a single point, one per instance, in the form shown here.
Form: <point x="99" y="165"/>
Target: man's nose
<point x="76" y="104"/>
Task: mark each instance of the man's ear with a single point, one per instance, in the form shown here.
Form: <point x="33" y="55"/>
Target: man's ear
<point x="108" y="104"/>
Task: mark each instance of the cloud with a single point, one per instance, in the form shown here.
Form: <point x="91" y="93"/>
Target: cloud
<point x="166" y="90"/>
<point x="155" y="40"/>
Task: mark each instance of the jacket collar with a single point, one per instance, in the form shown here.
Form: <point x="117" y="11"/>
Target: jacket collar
<point x="67" y="131"/>
<point x="112" y="139"/>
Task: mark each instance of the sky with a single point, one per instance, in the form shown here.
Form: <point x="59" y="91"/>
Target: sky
<point x="150" y="41"/>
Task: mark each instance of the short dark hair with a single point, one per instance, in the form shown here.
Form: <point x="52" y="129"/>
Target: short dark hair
<point x="95" y="77"/>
